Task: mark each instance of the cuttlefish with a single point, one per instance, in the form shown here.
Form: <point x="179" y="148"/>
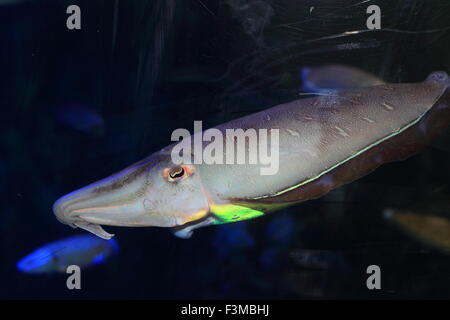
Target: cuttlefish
<point x="324" y="142"/>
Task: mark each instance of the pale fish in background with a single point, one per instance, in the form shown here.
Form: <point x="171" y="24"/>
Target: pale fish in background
<point x="334" y="78"/>
<point x="432" y="230"/>
<point x="81" y="250"/>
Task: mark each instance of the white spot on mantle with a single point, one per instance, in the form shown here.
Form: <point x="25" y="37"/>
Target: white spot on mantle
<point x="368" y="120"/>
<point x="293" y="133"/>
<point x="387" y="106"/>
<point x="341" y="131"/>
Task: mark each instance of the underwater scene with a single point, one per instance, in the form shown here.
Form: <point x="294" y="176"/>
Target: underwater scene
<point x="225" y="149"/>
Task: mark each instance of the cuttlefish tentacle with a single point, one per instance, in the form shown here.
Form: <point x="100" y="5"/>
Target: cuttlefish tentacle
<point x="332" y="140"/>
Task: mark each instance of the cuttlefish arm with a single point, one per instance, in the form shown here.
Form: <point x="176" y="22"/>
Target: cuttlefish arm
<point x="324" y="142"/>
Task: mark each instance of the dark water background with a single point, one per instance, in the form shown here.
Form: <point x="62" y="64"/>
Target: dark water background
<point x="148" y="67"/>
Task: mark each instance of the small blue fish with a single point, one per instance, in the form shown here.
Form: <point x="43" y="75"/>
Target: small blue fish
<point x="81" y="250"/>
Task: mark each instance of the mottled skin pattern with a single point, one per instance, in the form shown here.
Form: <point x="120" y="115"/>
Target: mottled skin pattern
<point x="324" y="142"/>
<point x="317" y="133"/>
<point x="399" y="147"/>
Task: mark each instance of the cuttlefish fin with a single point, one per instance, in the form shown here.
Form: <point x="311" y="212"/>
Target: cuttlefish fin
<point x="95" y="229"/>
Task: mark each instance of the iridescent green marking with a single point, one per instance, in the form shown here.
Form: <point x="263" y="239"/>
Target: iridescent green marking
<point x="232" y="213"/>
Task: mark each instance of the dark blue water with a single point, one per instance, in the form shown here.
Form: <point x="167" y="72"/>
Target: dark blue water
<point x="78" y="105"/>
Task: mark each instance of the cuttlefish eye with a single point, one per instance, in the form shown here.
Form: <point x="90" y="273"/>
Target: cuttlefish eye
<point x="177" y="173"/>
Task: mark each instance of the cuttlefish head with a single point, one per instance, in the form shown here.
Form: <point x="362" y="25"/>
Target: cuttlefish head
<point x="152" y="192"/>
